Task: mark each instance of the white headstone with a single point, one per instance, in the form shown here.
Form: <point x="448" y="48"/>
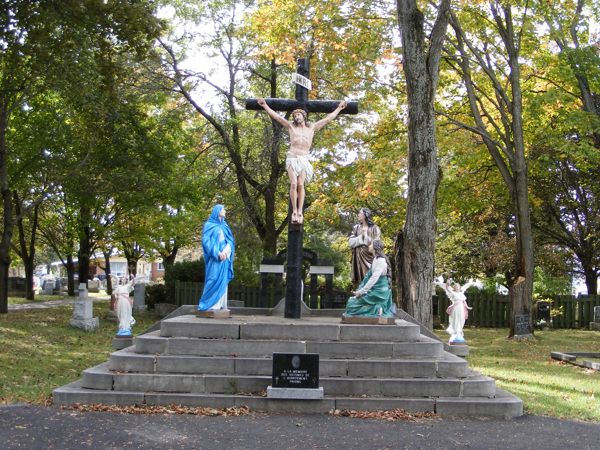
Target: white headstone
<point x="83" y="311"/>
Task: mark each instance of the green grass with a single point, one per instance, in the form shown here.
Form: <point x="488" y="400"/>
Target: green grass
<point x="547" y="387"/>
<point x="41" y="298"/>
<point x="40" y="351"/>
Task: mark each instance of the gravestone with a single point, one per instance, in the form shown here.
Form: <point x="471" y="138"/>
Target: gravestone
<point x="94" y="286"/>
<point x="48" y="287"/>
<point x="522" y="327"/>
<point x="295" y="376"/>
<point x="595" y="325"/>
<point x="139" y="297"/>
<point x="83" y="311"/>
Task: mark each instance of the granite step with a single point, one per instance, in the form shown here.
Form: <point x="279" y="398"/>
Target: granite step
<point x="502" y="405"/>
<point x="154" y="343"/>
<point x="283" y="330"/>
<point x="446" y="365"/>
<point x="100" y="377"/>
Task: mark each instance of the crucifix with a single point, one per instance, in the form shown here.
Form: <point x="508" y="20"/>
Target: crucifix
<point x="293" y="294"/>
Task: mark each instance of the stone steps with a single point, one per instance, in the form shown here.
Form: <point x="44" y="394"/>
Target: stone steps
<point x="228" y="362"/>
<point x="100" y="377"/>
<point x="446" y="365"/>
<point x="503" y="405"/>
<point x="286" y="330"/>
<point x="153" y="343"/>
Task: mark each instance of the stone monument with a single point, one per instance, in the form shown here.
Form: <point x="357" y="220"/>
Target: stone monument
<point x="83" y="311"/>
<point x="595" y="325"/>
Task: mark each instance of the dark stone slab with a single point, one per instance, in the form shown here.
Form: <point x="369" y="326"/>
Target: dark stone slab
<point x="296" y="370"/>
<point x="522" y="326"/>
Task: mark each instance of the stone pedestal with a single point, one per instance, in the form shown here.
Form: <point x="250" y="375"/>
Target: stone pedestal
<point x="214" y="314"/>
<point x="119" y="343"/>
<point x="461" y="350"/>
<point x="369" y="320"/>
<point x="83" y="311"/>
<point x="295" y="393"/>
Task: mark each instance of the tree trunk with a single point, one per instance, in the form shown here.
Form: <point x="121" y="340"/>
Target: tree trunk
<point x="398" y="261"/>
<point x="521" y="290"/>
<point x="70" y="276"/>
<point x="107" y="271"/>
<point x="168" y="262"/>
<point x="25" y="251"/>
<point x="421" y="68"/>
<point x="7" y="214"/>
<point x="591" y="280"/>
<point x="85" y="248"/>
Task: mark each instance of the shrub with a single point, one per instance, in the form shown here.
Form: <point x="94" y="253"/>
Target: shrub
<point x="187" y="271"/>
<point x="155" y="293"/>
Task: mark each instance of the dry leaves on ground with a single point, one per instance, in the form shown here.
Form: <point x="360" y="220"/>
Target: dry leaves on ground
<point x="391" y="415"/>
<point x="171" y="409"/>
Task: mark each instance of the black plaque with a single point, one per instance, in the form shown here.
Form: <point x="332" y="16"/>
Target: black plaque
<point x="522" y="324"/>
<point x="597" y="314"/>
<point x="296" y="370"/>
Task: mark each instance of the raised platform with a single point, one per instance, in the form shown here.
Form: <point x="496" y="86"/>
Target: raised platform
<point x="228" y="362"/>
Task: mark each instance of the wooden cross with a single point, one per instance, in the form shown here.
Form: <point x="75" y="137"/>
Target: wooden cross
<point x="293" y="293"/>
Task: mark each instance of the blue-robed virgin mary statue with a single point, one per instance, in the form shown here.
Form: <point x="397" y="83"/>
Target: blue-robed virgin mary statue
<point x="218" y="246"/>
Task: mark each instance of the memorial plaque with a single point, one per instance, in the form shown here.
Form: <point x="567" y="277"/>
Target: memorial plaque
<point x="522" y="324"/>
<point x="597" y="314"/>
<point x="296" y="370"/>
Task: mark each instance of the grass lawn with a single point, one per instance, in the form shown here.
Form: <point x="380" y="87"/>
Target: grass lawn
<point x="40" y="351"/>
<point x="40" y="298"/>
<point x="547" y="387"/>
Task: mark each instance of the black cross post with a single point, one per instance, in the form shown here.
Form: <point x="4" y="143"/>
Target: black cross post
<point x="293" y="292"/>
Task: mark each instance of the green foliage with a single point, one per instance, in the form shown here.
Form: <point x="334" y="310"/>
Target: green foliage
<point x="155" y="293"/>
<point x="188" y="271"/>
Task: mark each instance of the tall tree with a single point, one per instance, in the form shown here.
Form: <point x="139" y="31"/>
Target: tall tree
<point x="494" y="95"/>
<point x="43" y="43"/>
<point x="421" y="60"/>
<point x="566" y="134"/>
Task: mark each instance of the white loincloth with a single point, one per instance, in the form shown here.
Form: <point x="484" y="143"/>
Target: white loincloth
<point x="299" y="164"/>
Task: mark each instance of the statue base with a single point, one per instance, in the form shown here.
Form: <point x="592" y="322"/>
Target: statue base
<point x="119" y="343"/>
<point x="214" y="314"/>
<point x="363" y="320"/>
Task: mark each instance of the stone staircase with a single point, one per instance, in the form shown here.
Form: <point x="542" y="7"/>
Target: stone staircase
<point x="223" y="363"/>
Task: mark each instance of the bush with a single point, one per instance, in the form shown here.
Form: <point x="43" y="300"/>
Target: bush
<point x="155" y="293"/>
<point x="187" y="271"/>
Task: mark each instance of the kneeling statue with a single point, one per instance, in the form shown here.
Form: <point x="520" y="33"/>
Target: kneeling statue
<point x="373" y="298"/>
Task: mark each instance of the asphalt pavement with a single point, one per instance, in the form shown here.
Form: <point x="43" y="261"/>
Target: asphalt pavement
<point x="38" y="427"/>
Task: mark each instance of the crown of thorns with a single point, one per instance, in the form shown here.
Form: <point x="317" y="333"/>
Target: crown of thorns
<point x="301" y="111"/>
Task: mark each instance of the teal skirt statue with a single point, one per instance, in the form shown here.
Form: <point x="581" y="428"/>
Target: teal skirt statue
<point x="373" y="298"/>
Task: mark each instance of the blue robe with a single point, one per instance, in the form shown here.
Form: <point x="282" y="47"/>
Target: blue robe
<point x="216" y="234"/>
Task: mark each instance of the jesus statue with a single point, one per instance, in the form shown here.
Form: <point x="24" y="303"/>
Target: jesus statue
<point x="297" y="164"/>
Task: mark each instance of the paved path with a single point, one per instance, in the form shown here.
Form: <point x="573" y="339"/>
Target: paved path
<point x="52" y="303"/>
<point x="35" y="427"/>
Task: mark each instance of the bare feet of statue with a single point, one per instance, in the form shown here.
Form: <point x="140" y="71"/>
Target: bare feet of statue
<point x="300" y="218"/>
<point x="294" y="217"/>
